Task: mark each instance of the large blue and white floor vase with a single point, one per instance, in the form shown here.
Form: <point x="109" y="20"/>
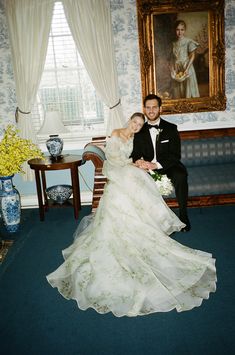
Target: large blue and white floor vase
<point x="10" y="205"/>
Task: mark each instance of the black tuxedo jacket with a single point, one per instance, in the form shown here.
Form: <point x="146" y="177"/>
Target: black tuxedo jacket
<point x="168" y="145"/>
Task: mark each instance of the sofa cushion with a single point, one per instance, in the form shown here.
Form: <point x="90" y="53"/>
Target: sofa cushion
<point x="213" y="179"/>
<point x="209" y="151"/>
<point x="210" y="180"/>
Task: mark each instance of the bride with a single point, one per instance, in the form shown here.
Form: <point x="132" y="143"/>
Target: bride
<point x="124" y="261"/>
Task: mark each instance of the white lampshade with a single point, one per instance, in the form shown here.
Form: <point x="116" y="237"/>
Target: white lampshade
<point x="52" y="124"/>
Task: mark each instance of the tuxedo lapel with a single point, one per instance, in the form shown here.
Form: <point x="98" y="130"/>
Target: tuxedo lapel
<point x="147" y="134"/>
<point x="147" y="142"/>
<point x="158" y="138"/>
<point x="149" y="145"/>
<point x="163" y="126"/>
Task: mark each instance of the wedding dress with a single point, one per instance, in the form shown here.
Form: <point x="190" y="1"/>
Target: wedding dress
<point x="124" y="261"/>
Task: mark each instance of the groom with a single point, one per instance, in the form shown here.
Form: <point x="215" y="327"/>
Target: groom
<point x="157" y="147"/>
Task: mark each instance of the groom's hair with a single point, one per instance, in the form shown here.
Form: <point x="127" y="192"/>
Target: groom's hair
<point x="153" y="97"/>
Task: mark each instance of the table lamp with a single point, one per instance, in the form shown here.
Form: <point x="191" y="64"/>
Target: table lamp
<point x="53" y="126"/>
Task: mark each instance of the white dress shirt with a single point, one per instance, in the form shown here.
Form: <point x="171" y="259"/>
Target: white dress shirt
<point x="154" y="133"/>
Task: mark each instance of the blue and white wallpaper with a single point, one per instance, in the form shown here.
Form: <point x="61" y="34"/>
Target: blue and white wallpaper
<point x="124" y="19"/>
<point x="7" y="85"/>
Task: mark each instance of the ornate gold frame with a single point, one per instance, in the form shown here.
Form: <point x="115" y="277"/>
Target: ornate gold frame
<point x="216" y="99"/>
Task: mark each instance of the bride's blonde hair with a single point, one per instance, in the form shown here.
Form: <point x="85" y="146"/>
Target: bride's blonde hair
<point x="138" y="114"/>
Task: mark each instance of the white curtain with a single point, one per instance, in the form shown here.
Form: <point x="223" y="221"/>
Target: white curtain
<point x="29" y="24"/>
<point x="90" y="25"/>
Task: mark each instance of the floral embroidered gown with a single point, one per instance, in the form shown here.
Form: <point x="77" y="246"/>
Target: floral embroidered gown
<point x="189" y="87"/>
<point x="124" y="261"/>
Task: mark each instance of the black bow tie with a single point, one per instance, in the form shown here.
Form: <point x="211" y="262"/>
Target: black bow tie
<point x="153" y="126"/>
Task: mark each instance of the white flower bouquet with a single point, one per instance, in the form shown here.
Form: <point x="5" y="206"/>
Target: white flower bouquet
<point x="163" y="183"/>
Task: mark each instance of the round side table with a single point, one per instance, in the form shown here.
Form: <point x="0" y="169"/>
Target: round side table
<point x="66" y="161"/>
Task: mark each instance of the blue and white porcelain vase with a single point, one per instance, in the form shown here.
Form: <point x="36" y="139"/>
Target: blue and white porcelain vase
<point x="10" y="205"/>
<point x="54" y="145"/>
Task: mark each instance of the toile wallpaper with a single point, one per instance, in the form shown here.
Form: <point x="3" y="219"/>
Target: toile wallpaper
<point x="124" y="19"/>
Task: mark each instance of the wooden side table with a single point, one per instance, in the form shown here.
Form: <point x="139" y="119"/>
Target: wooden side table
<point x="66" y="161"/>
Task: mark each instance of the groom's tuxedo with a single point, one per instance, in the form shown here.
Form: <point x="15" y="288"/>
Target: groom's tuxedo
<point x="168" y="154"/>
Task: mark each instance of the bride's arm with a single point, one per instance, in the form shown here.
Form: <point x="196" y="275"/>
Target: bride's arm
<point x="114" y="154"/>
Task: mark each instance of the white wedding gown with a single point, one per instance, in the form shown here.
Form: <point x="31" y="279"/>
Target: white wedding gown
<point x="124" y="261"/>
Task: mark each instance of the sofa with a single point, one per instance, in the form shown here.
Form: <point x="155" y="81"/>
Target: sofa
<point x="209" y="156"/>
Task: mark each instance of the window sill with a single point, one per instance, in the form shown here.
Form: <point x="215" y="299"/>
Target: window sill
<point x="73" y="141"/>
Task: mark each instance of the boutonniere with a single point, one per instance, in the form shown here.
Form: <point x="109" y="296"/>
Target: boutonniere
<point x="159" y="130"/>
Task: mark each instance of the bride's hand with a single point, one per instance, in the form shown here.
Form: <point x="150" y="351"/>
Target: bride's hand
<point x="137" y="163"/>
<point x="142" y="164"/>
<point x="151" y="166"/>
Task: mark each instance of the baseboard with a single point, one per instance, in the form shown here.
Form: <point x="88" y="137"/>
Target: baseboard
<point x="31" y="201"/>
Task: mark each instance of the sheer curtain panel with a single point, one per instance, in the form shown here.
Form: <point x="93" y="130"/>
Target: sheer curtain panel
<point x="29" y="24"/>
<point x="90" y="25"/>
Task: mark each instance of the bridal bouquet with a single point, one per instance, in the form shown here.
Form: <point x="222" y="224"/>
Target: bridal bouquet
<point x="163" y="183"/>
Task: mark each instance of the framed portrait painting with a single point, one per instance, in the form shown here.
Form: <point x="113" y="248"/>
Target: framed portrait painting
<point x="182" y="53"/>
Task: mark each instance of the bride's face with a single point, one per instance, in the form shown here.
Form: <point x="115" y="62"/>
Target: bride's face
<point x="135" y="124"/>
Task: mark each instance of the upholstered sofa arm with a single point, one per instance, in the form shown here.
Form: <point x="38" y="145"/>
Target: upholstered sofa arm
<point x="94" y="153"/>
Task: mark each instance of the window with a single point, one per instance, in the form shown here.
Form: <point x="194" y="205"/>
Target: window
<point x="65" y="85"/>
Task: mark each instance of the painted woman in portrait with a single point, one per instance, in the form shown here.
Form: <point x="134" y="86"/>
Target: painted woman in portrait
<point x="184" y="80"/>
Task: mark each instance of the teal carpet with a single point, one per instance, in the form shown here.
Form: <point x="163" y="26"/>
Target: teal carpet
<point x="36" y="320"/>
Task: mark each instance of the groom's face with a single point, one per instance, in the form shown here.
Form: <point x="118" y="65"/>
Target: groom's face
<point x="152" y="110"/>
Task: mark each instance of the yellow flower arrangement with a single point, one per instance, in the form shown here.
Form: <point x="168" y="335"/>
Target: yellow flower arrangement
<point x="14" y="151"/>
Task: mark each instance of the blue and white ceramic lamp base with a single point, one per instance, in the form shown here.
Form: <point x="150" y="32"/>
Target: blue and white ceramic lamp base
<point x="55" y="145"/>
